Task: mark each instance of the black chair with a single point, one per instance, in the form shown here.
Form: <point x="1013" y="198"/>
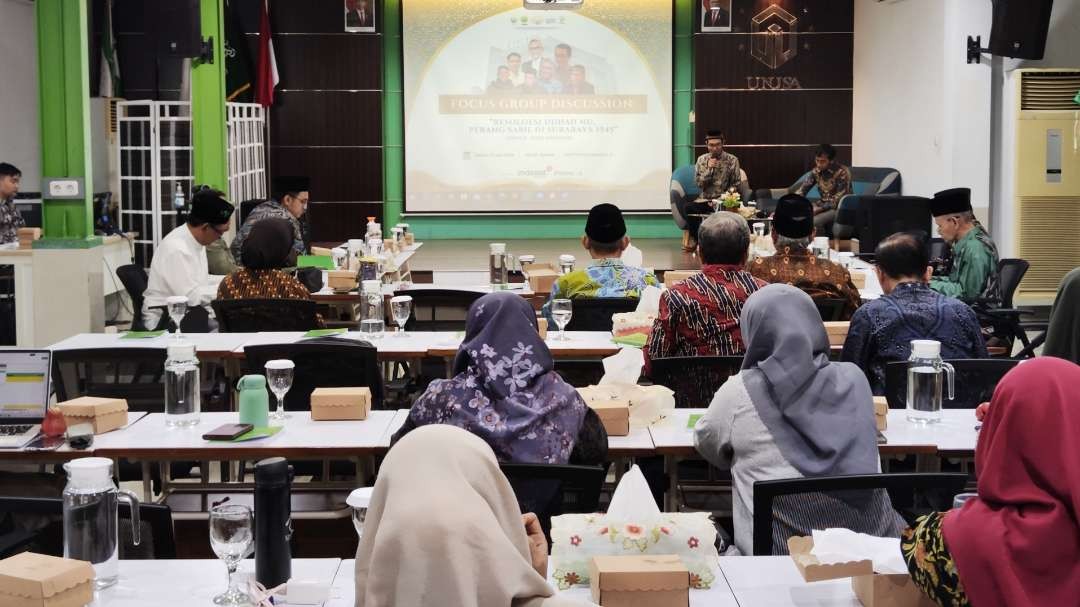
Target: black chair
<point x="246" y="207"/>
<point x="324" y="362"/>
<point x="134" y="374"/>
<point x="975" y="381"/>
<point x="135" y="280"/>
<point x="911" y="494"/>
<point x="255" y="315"/>
<point x="434" y="299"/>
<point x="196" y="320"/>
<point x="694" y="379"/>
<point x="550" y="490"/>
<point x="36" y="523"/>
<point x="830" y="308"/>
<point x="594" y="313"/>
<point x="1001" y="316"/>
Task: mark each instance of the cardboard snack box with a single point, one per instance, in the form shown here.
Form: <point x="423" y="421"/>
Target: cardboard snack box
<point x="872" y="589"/>
<point x="341" y="280"/>
<point x="103" y="413"/>
<point x="613" y="410"/>
<point x="37" y="580"/>
<point x="673" y="276"/>
<point x="542" y="277"/>
<point x="858" y="278"/>
<point x="644" y="580"/>
<point x="542" y="327"/>
<point x="837" y="331"/>
<point x="329" y="404"/>
<point x="881" y="413"/>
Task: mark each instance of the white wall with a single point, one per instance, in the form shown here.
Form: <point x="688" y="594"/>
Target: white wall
<point x="19" y="143"/>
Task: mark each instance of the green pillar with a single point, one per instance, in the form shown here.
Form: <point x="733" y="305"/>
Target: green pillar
<point x="64" y="86"/>
<point x="208" y="119"/>
<point x="393" y="107"/>
<point x="683" y="80"/>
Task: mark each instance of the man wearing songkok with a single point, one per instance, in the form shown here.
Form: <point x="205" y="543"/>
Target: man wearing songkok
<point x="290" y="202"/>
<point x="607" y="276"/>
<point x="973" y="273"/>
<point x="796" y="265"/>
<point x="179" y="265"/>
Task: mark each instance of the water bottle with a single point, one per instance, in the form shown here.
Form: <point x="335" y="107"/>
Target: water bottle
<point x="566" y="264"/>
<point x="373" y="229"/>
<point x="372" y="315"/>
<point x="178" y="197"/>
<point x="254" y="401"/>
<point x="924" y="381"/>
<point x="273" y="521"/>
<point x="497" y="266"/>
<point x="182" y="393"/>
<point x="90" y="517"/>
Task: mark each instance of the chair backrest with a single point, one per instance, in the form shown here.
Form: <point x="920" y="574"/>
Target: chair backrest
<point x="875" y="181"/>
<point x="694" y="379"/>
<point x="135" y="281"/>
<point x="976" y="379"/>
<point x="878" y="217"/>
<point x="594" y="313"/>
<point x="134" y="374"/>
<point x="158" y="539"/>
<point x="683" y="188"/>
<point x="830" y="308"/>
<point x="197" y="320"/>
<point x="246" y="207"/>
<point x="434" y="299"/>
<point x="550" y="490"/>
<point x="254" y="315"/>
<point x="1011" y="272"/>
<point x="938" y="248"/>
<point x="326" y="362"/>
<point x="911" y="493"/>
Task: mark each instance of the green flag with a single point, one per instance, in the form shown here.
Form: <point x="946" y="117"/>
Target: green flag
<point x="237" y="60"/>
<point x="110" y="85"/>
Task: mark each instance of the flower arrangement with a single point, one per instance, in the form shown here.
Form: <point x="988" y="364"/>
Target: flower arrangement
<point x="731" y="200"/>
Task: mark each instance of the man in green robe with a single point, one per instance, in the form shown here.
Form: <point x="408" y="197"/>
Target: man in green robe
<point x="973" y="274"/>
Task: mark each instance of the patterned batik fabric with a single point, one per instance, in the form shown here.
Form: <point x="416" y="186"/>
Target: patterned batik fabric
<point x="10" y="222"/>
<point x="716" y="180"/>
<point x="932" y="567"/>
<point x="881" y="331"/>
<point x="270" y="208"/>
<point x="834" y="182"/>
<point x="604" y="278"/>
<point x="818" y="278"/>
<point x="700" y="315"/>
<point x="261" y="284"/>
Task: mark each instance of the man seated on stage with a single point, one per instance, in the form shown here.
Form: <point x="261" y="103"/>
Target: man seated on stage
<point x="700" y="315"/>
<point x="292" y="195"/>
<point x="973" y="273"/>
<point x="794" y="264"/>
<point x="179" y="266"/>
<point x="10" y="218"/>
<point x="715" y="172"/>
<point x="605" y="239"/>
<point x="833" y="180"/>
<point x="881" y="330"/>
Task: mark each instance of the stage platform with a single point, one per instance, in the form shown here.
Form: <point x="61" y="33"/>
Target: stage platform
<point x="660" y="254"/>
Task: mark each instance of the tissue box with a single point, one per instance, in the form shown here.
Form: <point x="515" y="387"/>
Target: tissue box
<point x="858" y="278"/>
<point x="340" y="403"/>
<point x="872" y="589"/>
<point x="542" y="327"/>
<point x="639" y="581"/>
<point x="881" y="413"/>
<point x="103" y="413"/>
<point x="37" y="580"/>
<point x="341" y="280"/>
<point x="673" y="276"/>
<point x="612" y="409"/>
<point x="837" y="331"/>
<point x="542" y="277"/>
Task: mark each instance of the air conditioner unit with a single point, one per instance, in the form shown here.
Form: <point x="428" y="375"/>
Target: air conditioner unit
<point x="1046" y="178"/>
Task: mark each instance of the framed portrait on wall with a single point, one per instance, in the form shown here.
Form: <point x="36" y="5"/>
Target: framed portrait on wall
<point x="360" y="16"/>
<point x="716" y="15"/>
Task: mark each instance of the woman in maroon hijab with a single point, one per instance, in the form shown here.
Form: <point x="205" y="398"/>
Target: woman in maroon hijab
<point x="1018" y="543"/>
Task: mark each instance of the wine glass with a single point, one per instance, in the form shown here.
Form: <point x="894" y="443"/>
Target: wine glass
<point x="279" y="376"/>
<point x="230" y="537"/>
<point x="561" y="311"/>
<point x="401" y="309"/>
<point x="177" y="307"/>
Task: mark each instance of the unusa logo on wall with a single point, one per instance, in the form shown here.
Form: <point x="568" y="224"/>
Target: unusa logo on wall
<point x="775" y="39"/>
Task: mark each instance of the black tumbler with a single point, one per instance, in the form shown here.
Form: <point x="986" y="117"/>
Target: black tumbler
<point x="273" y="524"/>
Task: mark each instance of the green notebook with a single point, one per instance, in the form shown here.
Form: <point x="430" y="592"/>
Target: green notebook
<point x="636" y="340"/>
<point x="257" y="433"/>
<point x="323" y="332"/>
<point x="323" y="262"/>
<point x="142" y="334"/>
<point x="692" y="421"/>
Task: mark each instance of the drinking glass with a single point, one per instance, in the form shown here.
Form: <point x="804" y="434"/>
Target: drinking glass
<point x="230" y="537"/>
<point x="401" y="309"/>
<point x="961" y="498"/>
<point x="279" y="376"/>
<point x="561" y="311"/>
<point x="177" y="306"/>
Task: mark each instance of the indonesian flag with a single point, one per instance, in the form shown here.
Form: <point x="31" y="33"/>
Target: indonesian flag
<point x="267" y="78"/>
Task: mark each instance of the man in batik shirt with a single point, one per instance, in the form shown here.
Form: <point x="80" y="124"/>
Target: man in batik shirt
<point x="715" y="172"/>
<point x="607" y="276"/>
<point x="973" y="274"/>
<point x="833" y="181"/>
<point x="10" y="219"/>
<point x="291" y="202"/>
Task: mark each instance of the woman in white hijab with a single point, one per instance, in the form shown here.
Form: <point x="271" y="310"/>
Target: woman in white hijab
<point x="444" y="528"/>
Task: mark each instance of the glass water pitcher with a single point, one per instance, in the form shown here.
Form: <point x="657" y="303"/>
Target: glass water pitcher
<point x="90" y="517"/>
<point x="924" y="381"/>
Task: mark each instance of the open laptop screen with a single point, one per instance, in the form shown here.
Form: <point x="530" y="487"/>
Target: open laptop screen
<point x="24" y="384"/>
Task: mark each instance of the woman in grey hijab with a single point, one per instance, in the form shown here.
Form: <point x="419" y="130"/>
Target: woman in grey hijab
<point x="791" y="413"/>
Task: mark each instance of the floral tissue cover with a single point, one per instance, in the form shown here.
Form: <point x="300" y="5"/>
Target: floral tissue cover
<point x="576" y="538"/>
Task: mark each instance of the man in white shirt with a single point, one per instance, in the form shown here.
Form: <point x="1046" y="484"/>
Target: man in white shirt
<point x="179" y="266"/>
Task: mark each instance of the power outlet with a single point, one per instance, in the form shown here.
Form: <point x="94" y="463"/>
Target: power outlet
<point x="63" y="188"/>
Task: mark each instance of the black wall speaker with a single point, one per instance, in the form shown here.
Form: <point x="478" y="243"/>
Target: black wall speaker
<point x="178" y="28"/>
<point x="1020" y="27"/>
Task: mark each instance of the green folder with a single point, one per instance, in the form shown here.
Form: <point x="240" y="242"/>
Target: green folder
<point x="323" y="262"/>
<point x="636" y="340"/>
<point x="692" y="421"/>
<point x="142" y="334"/>
<point x="257" y="433"/>
<point x="323" y="332"/>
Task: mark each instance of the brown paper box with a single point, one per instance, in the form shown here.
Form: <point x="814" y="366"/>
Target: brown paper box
<point x="542" y="327"/>
<point x="37" y="580"/>
<point x="410" y="239"/>
<point x="873" y="590"/>
<point x="341" y="280"/>
<point x="329" y="404"/>
<point x="858" y="278"/>
<point x="881" y="412"/>
<point x="614" y="412"/>
<point x="660" y="580"/>
<point x="542" y="277"/>
<point x="104" y="413"/>
<point x="322" y="251"/>
<point x="837" y="331"/>
<point x="673" y="276"/>
<point x="389" y="244"/>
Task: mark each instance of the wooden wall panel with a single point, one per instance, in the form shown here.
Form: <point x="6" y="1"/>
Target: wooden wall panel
<point x="329" y="62"/>
<point x="326" y="118"/>
<point x="338" y="174"/>
<point x="823" y="61"/>
<point x="775" y="117"/>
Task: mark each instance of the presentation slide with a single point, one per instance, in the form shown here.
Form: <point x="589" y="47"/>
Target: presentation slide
<point x="517" y="110"/>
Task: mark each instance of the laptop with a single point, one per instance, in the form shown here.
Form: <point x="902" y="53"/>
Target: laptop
<point x="24" y="395"/>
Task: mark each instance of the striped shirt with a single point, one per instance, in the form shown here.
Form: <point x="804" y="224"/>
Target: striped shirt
<point x="700" y="315"/>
